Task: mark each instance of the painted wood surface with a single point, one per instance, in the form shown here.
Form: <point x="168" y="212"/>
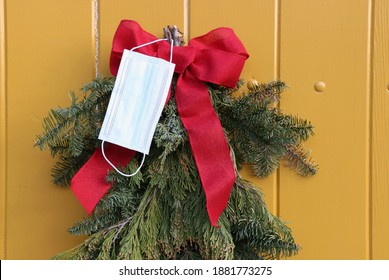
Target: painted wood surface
<point x="380" y="132"/>
<point x="333" y="54"/>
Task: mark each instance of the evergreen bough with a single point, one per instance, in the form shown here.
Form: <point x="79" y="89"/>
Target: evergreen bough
<point x="160" y="213"/>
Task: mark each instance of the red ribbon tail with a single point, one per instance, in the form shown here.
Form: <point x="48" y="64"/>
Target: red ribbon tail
<point x="208" y="143"/>
<point x="89" y="184"/>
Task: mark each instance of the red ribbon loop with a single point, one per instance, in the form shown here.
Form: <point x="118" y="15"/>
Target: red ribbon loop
<point x="217" y="57"/>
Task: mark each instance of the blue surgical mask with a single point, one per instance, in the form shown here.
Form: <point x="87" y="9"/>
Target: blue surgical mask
<point x="136" y="102"/>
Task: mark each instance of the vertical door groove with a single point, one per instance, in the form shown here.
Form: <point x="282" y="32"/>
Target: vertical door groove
<point x="277" y="76"/>
<point x="369" y="129"/>
<point x="95" y="34"/>
<point x="186" y="5"/>
<point x="3" y="133"/>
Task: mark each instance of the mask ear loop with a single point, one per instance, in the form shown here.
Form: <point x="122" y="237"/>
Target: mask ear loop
<point x="117" y="170"/>
<point x="144" y="155"/>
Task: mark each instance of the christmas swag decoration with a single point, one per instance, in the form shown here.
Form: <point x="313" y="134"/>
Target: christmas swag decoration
<point x="188" y="200"/>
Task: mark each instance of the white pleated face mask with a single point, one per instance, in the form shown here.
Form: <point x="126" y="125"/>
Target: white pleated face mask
<point x="136" y="102"/>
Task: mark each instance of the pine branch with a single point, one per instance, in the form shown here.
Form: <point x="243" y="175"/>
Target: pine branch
<point x="252" y="226"/>
<point x="72" y="132"/>
<point x="257" y="131"/>
<point x="267" y="92"/>
<point x="297" y="159"/>
<point x="300" y="128"/>
<point x="161" y="212"/>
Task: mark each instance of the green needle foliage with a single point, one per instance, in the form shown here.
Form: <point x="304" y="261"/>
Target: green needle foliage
<point x="160" y="213"/>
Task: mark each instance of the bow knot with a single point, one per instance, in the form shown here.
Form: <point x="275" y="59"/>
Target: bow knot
<point x="217" y="57"/>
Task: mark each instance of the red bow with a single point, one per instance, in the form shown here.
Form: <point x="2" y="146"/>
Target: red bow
<point x="216" y="57"/>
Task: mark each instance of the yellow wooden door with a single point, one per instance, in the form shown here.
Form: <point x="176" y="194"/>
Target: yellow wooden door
<point x="333" y="54"/>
